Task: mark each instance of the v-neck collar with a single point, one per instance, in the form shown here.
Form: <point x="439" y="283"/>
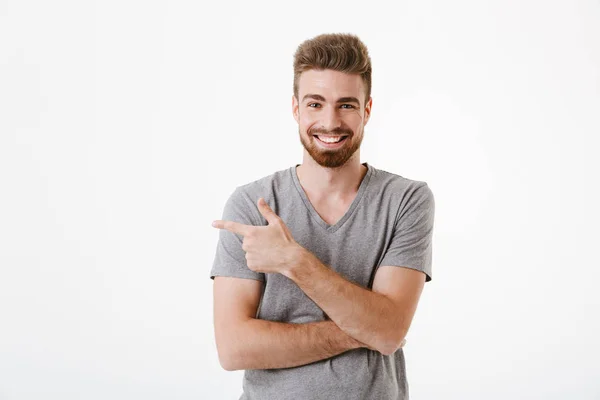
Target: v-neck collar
<point x="359" y="195"/>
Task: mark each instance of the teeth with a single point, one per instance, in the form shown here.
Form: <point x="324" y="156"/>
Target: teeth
<point x="333" y="139"/>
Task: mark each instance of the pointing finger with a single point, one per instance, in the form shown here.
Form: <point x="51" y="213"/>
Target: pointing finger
<point x="232" y="226"/>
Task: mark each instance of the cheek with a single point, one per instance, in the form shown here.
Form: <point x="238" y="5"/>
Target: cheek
<point x="306" y="122"/>
<point x="355" y="122"/>
<point x="306" y="119"/>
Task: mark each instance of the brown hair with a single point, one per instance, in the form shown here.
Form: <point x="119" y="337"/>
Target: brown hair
<point x="342" y="52"/>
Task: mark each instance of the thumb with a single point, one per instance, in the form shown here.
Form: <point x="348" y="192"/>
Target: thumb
<point x="266" y="211"/>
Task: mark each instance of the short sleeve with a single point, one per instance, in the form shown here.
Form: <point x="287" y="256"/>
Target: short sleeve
<point x="230" y="258"/>
<point x="411" y="243"/>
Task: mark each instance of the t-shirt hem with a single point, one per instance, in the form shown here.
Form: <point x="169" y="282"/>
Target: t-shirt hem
<point x="243" y="276"/>
<point x="427" y="274"/>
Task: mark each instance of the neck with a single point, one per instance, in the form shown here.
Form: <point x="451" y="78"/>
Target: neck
<point x="324" y="182"/>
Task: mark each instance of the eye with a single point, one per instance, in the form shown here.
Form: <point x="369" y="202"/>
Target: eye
<point x="310" y="104"/>
<point x="349" y="105"/>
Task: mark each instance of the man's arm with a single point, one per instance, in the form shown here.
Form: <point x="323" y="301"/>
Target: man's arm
<point x="244" y="342"/>
<point x="380" y="318"/>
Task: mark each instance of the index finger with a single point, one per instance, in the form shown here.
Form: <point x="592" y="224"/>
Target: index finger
<point x="232" y="226"/>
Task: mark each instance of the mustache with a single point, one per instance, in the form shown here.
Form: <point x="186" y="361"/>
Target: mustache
<point x="336" y="131"/>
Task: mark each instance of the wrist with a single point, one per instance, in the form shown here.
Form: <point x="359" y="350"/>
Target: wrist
<point x="298" y="257"/>
<point x="345" y="340"/>
<point x="355" y="344"/>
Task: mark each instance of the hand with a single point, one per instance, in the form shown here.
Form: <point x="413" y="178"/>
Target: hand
<point x="270" y="248"/>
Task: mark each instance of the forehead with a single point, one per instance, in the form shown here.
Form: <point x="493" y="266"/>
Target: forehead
<point x="330" y="83"/>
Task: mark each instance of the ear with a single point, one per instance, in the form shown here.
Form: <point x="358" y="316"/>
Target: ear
<point x="295" y="107"/>
<point x="368" y="110"/>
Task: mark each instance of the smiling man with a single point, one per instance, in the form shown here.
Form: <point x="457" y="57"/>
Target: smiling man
<point x="319" y="267"/>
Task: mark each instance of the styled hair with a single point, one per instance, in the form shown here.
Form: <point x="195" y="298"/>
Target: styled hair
<point x="343" y="52"/>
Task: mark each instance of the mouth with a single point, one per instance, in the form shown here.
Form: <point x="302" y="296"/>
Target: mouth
<point x="321" y="139"/>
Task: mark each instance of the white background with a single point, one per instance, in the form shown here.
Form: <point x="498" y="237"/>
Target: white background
<point x="125" y="126"/>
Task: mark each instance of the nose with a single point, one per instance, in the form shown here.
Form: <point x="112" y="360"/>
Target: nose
<point x="331" y="118"/>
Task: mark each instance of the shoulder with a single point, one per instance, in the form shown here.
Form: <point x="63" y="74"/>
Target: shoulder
<point x="400" y="187"/>
<point x="268" y="186"/>
<point x="272" y="188"/>
<point x="411" y="200"/>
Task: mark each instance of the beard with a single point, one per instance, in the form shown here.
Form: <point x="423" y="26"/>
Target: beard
<point x="331" y="158"/>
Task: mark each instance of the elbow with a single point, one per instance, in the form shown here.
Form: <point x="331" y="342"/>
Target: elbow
<point x="393" y="343"/>
<point x="388" y="350"/>
<point x="226" y="364"/>
<point x="229" y="347"/>
<point x="227" y="359"/>
<point x="227" y="354"/>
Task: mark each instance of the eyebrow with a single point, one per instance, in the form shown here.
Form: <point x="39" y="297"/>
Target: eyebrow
<point x="340" y="100"/>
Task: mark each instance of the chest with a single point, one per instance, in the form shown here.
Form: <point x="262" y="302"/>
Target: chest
<point x="331" y="213"/>
<point x="330" y="216"/>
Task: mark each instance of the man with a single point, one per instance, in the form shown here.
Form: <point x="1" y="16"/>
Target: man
<point x="319" y="267"/>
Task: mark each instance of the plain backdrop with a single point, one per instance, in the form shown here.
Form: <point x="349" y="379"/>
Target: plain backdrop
<point x="125" y="125"/>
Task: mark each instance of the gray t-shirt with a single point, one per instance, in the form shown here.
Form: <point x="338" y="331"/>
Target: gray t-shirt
<point x="390" y="222"/>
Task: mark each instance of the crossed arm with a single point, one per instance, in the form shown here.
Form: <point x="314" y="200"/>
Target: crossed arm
<point x="377" y="319"/>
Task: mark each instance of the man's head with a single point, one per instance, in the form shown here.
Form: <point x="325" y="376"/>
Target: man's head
<point x="332" y="95"/>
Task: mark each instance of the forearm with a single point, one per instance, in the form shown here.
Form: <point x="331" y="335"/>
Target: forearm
<point x="262" y="344"/>
<point x="361" y="313"/>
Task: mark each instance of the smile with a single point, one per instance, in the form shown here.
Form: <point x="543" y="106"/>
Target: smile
<point x="331" y="144"/>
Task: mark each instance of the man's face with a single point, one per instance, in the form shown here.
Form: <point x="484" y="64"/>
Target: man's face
<point x="331" y="103"/>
